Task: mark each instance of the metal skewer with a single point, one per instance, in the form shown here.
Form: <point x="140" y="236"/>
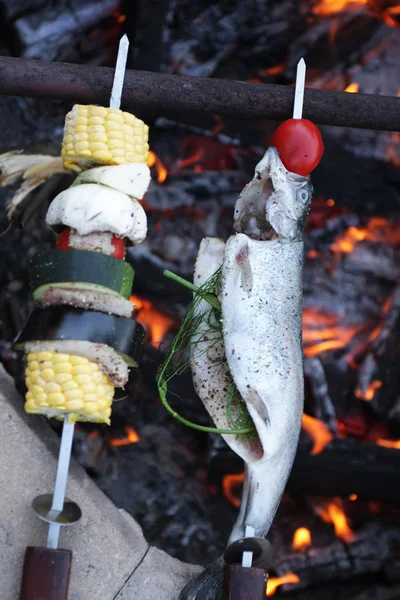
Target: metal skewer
<point x="46" y="570"/>
<point x="248" y="560"/>
<point x="299" y="89"/>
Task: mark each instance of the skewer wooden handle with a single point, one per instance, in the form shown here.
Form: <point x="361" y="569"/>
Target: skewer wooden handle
<point x="46" y="574"/>
<point x="244" y="583"/>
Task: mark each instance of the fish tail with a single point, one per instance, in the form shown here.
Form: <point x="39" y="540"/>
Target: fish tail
<point x="207" y="585"/>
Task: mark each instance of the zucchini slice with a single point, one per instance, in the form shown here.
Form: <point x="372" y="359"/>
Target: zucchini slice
<point x="80" y="266"/>
<point x="67" y="323"/>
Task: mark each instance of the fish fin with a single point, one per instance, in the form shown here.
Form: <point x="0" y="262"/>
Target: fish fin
<point x="254" y="399"/>
<point x="207" y="585"/>
<point x="242" y="258"/>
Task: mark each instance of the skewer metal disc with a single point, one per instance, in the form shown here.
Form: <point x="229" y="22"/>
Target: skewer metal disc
<point x="259" y="547"/>
<point x="70" y="513"/>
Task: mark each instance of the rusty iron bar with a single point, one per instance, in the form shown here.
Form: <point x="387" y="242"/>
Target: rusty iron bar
<point x="177" y="93"/>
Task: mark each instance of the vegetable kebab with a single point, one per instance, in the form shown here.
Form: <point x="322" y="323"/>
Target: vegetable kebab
<point x="82" y="340"/>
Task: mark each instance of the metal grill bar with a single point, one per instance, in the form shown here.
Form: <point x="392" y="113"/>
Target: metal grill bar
<point x="163" y="93"/>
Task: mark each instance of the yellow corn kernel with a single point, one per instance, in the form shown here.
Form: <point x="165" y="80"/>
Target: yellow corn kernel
<point x="78" y="360"/>
<point x="69" y="385"/>
<point x="62" y="377"/>
<point x="52" y="387"/>
<point x="74" y="405"/>
<point x="56" y="399"/>
<point x="30" y="406"/>
<point x="44" y="356"/>
<point x="73" y="394"/>
<point x="118" y="153"/>
<point x="40" y="399"/>
<point x="81" y="137"/>
<point x="81" y="369"/>
<point x="82" y="145"/>
<point x="64" y="384"/>
<point x="63" y="367"/>
<point x="61" y="358"/>
<point x="97" y="111"/>
<point x="89" y="131"/>
<point x="47" y="374"/>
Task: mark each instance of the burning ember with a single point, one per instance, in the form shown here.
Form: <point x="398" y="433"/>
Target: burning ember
<point x="395" y="444"/>
<point x="369" y="393"/>
<point x="333" y="513"/>
<point x="275" y="582"/>
<point x="327" y="8"/>
<point x="154" y="321"/>
<point x="232" y="488"/>
<point x="376" y="230"/>
<point x="352" y="88"/>
<point x="318" y="431"/>
<point x="301" y="539"/>
<point x="131" y="437"/>
<point x="326" y="330"/>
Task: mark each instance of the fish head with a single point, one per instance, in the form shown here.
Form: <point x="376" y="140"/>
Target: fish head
<point x="275" y="204"/>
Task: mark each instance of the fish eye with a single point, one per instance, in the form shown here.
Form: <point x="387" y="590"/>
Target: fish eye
<point x="304" y="195"/>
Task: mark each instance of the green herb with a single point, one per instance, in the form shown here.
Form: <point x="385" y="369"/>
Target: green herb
<point x="176" y="361"/>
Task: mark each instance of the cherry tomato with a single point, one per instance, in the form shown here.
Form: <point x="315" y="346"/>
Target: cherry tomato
<point x="300" y="146"/>
<point x="62" y="242"/>
<point x="119" y="247"/>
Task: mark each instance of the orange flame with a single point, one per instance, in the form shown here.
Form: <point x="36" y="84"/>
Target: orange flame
<point x="318" y="431"/>
<point x="369" y="393"/>
<point x="162" y="172"/>
<point x="231" y="484"/>
<point x="395" y="444"/>
<point x="301" y="539"/>
<point x="352" y="88"/>
<point x="155" y="321"/>
<point x="377" y="229"/>
<point x="275" y="70"/>
<point x="274" y="582"/>
<point x="131" y="438"/>
<point x="390" y="14"/>
<point x="325" y="330"/>
<point x="333" y="513"/>
<point x="331" y="7"/>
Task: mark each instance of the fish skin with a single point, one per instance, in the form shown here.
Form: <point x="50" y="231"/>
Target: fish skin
<point x="210" y="371"/>
<point x="262" y="339"/>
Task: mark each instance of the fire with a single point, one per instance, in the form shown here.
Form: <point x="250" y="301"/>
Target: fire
<point x="318" y="431"/>
<point x="276" y="70"/>
<point x="162" y="172"/>
<point x="352" y="88"/>
<point x="369" y="393"/>
<point x="395" y="444"/>
<point x="231" y="485"/>
<point x="390" y="16"/>
<point x="322" y="332"/>
<point x="301" y="539"/>
<point x="156" y="322"/>
<point x="333" y="513"/>
<point x="130" y="438"/>
<point x="327" y="8"/>
<point x="274" y="582"/>
<point x="377" y="229"/>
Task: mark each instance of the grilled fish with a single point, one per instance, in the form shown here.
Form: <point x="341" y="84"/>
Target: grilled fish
<point x="260" y="346"/>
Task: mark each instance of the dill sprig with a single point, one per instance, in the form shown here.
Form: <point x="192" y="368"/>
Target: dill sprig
<point x="176" y="361"/>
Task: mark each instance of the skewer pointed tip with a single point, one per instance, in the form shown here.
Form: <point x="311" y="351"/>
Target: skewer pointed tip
<point x="299" y="89"/>
<point x="119" y="75"/>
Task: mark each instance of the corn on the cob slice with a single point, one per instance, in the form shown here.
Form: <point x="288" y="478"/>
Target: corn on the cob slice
<point x="95" y="135"/>
<point x="60" y="384"/>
